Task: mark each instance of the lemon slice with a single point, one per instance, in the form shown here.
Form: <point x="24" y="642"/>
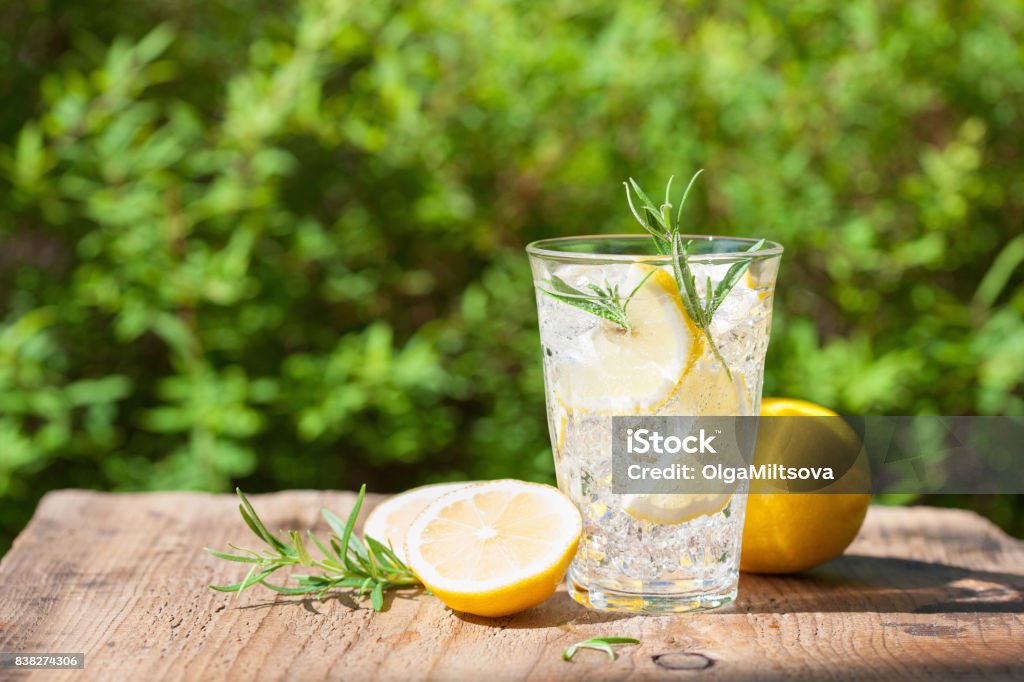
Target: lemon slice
<point x="707" y="389"/>
<point x="615" y="371"/>
<point x="494" y="548"/>
<point x="389" y="520"/>
<point x="753" y="285"/>
<point x="670" y="509"/>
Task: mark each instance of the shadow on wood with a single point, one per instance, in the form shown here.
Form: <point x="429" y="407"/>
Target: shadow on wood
<point x="558" y="611"/>
<point x="856" y="583"/>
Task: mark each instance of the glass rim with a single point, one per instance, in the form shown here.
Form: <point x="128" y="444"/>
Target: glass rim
<point x="548" y="249"/>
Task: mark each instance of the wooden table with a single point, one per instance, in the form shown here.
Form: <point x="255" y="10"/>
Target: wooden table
<point x="922" y="593"/>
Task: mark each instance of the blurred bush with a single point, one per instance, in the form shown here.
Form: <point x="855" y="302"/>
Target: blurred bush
<point x="282" y="245"/>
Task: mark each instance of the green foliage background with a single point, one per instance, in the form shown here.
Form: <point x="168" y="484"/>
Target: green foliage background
<point x="282" y="244"/>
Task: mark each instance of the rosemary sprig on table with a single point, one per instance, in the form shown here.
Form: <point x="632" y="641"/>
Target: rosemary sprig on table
<point x="664" y="228"/>
<point x="603" y="301"/>
<point x="600" y="643"/>
<point x="364" y="566"/>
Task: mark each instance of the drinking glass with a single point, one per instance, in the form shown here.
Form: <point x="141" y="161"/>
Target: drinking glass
<point x="605" y="357"/>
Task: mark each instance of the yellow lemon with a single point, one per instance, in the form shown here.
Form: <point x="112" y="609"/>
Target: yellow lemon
<point x="791" y="532"/>
<point x="389" y="521"/>
<point x="494" y="548"/>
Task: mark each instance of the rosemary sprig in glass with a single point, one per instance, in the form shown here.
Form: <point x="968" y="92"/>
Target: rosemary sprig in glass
<point x="364" y="566"/>
<point x="664" y="228"/>
<point x="603" y="301"/>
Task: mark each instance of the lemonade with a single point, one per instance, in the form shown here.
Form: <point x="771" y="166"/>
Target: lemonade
<point x="627" y="329"/>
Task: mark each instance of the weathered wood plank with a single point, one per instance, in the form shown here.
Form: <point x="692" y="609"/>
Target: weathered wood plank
<point x="922" y="592"/>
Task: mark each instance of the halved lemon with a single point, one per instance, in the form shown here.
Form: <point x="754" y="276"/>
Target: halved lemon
<point x="494" y="548"/>
<point x="389" y="521"/>
<point x="628" y="372"/>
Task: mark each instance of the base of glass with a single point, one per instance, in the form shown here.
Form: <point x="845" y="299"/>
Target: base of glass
<point x="661" y="602"/>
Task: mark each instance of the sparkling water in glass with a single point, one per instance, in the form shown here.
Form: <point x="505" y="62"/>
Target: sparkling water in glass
<point x="645" y="552"/>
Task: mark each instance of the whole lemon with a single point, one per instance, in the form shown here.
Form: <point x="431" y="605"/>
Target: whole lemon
<point x="791" y="532"/>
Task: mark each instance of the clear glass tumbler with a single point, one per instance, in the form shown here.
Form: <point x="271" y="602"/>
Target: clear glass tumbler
<point x="622" y="335"/>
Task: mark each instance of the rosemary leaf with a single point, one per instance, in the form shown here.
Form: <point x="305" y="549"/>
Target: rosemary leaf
<point x="290" y="590"/>
<point x="604" y="644"/>
<point x="300" y="549"/>
<point x="231" y="557"/>
<point x="604" y="302"/>
<point x="388" y="558"/>
<point x="732" y="277"/>
<point x="377" y="597"/>
<point x="320" y="546"/>
<point x="686" y="193"/>
<point x="646" y="200"/>
<point x="253" y="519"/>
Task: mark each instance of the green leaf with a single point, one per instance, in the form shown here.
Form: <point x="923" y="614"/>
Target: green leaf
<point x="658" y="214"/>
<point x="358" y="547"/>
<point x="323" y="550"/>
<point x="1000" y="273"/>
<point x="607" y="308"/>
<point x="644" y="198"/>
<point x="377" y="597"/>
<point x="345" y="582"/>
<point x="685" y="280"/>
<point x="300" y="549"/>
<point x="154" y="43"/>
<point x="599" y="643"/>
<point x="732" y="276"/>
<point x="340" y="551"/>
<point x="345" y="534"/>
<point x="637" y="288"/>
<point x="371" y="564"/>
<point x="254" y="522"/>
<point x="385" y="557"/>
<point x="290" y="590"/>
<point x="636" y="214"/>
<point x="231" y="557"/>
<point x="682" y="202"/>
<point x="251" y="578"/>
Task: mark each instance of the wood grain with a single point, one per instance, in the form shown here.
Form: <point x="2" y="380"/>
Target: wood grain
<point x="922" y="593"/>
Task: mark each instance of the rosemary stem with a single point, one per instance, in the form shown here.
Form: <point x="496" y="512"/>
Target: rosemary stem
<point x="717" y="353"/>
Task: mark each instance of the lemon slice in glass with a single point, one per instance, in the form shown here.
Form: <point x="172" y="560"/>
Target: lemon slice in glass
<point x="674" y="508"/>
<point x="705" y="390"/>
<point x="619" y="371"/>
